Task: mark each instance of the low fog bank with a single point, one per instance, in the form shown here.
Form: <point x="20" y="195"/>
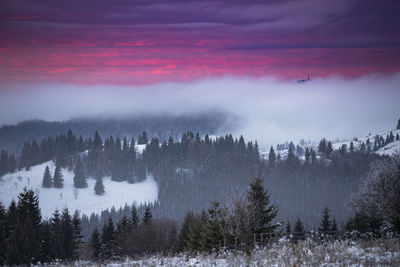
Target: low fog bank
<point x="270" y="111"/>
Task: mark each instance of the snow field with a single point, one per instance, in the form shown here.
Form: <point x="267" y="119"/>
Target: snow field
<point x="85" y="200"/>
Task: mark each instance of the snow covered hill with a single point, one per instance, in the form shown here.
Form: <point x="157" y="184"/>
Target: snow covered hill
<point x="388" y="149"/>
<point x="85" y="200"/>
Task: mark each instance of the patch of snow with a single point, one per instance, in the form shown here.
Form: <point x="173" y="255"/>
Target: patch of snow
<point x="85" y="200"/>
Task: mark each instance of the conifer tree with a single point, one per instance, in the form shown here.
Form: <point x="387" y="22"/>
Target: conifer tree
<point x="108" y="239"/>
<point x="97" y="143"/>
<point x="99" y="186"/>
<point x="76" y="222"/>
<point x="134" y="220"/>
<point x="47" y="181"/>
<point x="271" y="157"/>
<point x="288" y="228"/>
<point x="397" y="137"/>
<point x="307" y="156"/>
<point x="67" y="230"/>
<point x="298" y="230"/>
<point x="58" y="177"/>
<point x="196" y="232"/>
<point x="184" y="233"/>
<point x="298" y="227"/>
<point x="147" y="217"/>
<point x="79" y="177"/>
<point x="329" y="149"/>
<point x="351" y="147"/>
<point x="261" y="212"/>
<point x="398" y="125"/>
<point x="326" y="222"/>
<point x="212" y="235"/>
<point x="24" y="241"/>
<point x="95" y="244"/>
<point x="57" y="236"/>
<point x="45" y="244"/>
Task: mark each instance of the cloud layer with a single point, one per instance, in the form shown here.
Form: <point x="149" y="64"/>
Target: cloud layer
<point x="271" y="111"/>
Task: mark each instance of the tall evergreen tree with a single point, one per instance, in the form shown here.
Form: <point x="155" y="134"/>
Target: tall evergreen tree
<point x="212" y="236"/>
<point x="58" y="177"/>
<point x="67" y="229"/>
<point x="398" y="125"/>
<point x="79" y="177"/>
<point x="271" y="157"/>
<point x="99" y="186"/>
<point x="76" y="222"/>
<point x="45" y="243"/>
<point x="261" y="212"/>
<point x="326" y="222"/>
<point x="134" y="220"/>
<point x="298" y="227"/>
<point x="184" y="233"/>
<point x="108" y="239"/>
<point x="147" y="217"/>
<point x="47" y="181"/>
<point x="95" y="244"/>
<point x="24" y="240"/>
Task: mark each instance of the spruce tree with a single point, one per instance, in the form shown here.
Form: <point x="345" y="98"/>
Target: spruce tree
<point x="95" y="244"/>
<point x="271" y="158"/>
<point x="298" y="230"/>
<point x="47" y="181"/>
<point x="329" y="149"/>
<point x="58" y="177"/>
<point x="147" y="217"/>
<point x="260" y="210"/>
<point x="99" y="186"/>
<point x="45" y="244"/>
<point x="326" y="222"/>
<point x="351" y="147"/>
<point x="397" y="137"/>
<point x="212" y="235"/>
<point x="79" y="177"/>
<point x="108" y="239"/>
<point x="298" y="227"/>
<point x="134" y="220"/>
<point x="288" y="228"/>
<point x="67" y="229"/>
<point x="398" y="125"/>
<point x="196" y="232"/>
<point x="57" y="236"/>
<point x="76" y="222"/>
<point x="24" y="241"/>
<point x="184" y="233"/>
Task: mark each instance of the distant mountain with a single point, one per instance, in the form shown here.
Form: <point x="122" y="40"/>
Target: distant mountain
<point x="12" y="137"/>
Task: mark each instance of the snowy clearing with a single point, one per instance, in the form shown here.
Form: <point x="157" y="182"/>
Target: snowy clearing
<point x="85" y="200"/>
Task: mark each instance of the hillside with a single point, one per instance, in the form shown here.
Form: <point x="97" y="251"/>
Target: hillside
<point x="12" y="137"/>
<point x="85" y="200"/>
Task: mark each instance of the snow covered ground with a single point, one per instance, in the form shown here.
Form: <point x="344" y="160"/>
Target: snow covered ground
<point x="85" y="200"/>
<point x="385" y="252"/>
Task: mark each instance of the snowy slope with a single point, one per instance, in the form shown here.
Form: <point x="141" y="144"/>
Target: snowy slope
<point x="85" y="200"/>
<point x="389" y="149"/>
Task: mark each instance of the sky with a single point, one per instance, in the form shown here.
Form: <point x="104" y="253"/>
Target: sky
<point x="144" y="48"/>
